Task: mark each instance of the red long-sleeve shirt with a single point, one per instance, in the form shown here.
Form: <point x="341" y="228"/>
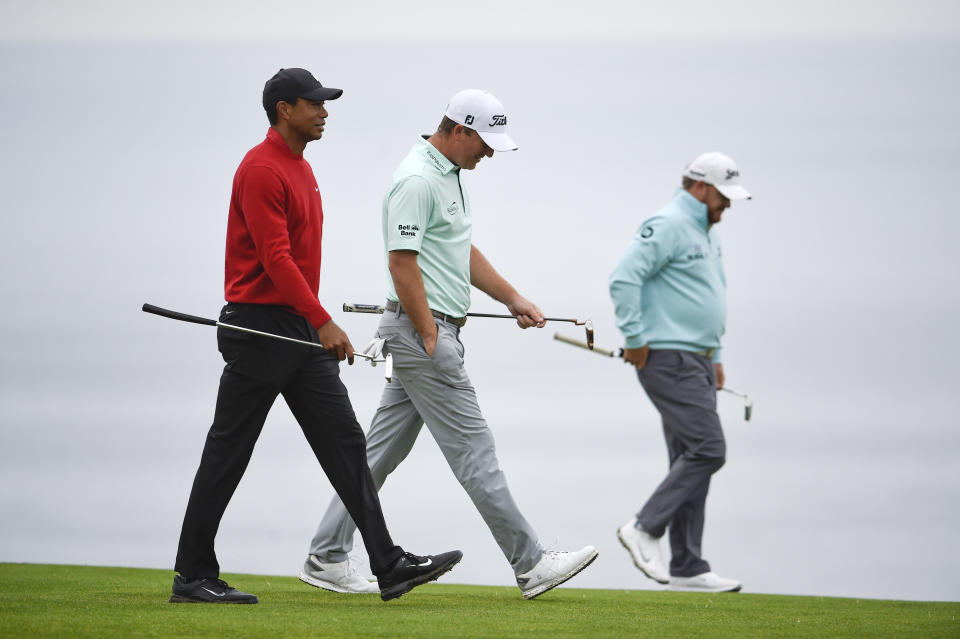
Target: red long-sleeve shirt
<point x="274" y="232"/>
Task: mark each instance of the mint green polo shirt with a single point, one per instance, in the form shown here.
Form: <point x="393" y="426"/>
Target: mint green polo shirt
<point x="426" y="210"/>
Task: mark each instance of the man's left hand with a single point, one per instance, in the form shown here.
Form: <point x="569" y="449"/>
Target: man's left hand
<point x="718" y="367"/>
<point x="527" y="313"/>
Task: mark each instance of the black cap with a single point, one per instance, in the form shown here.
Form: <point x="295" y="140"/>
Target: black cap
<point x="289" y="84"/>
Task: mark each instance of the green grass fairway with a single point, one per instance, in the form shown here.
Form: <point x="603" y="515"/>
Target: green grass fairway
<point x="84" y="601"/>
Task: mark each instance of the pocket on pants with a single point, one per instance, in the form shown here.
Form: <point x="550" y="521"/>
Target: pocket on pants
<point x="446" y="357"/>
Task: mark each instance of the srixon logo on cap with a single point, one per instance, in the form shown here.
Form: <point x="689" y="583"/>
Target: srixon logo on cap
<point x="498" y="120"/>
<point x="731" y="173"/>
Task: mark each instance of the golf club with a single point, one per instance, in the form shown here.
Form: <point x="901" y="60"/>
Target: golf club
<point x="374" y="308"/>
<point x="748" y="403"/>
<point x="372" y="353"/>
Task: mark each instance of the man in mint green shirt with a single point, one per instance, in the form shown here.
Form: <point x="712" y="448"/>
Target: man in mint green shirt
<point x="431" y="266"/>
<point x="669" y="296"/>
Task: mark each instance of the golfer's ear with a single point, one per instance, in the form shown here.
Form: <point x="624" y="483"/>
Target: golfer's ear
<point x="283" y="110"/>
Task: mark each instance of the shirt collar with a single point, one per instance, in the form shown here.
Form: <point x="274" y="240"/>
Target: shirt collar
<point x="435" y="157"/>
<point x="693" y="208"/>
<point x="274" y="138"/>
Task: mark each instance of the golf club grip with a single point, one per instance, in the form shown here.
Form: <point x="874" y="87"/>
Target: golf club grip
<point x="183" y="317"/>
<point x="362" y="308"/>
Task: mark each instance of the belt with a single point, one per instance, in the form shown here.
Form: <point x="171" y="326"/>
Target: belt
<point x="449" y="319"/>
<point x="706" y="353"/>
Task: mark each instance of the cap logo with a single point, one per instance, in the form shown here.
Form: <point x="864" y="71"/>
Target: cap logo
<point x="468" y="119"/>
<point x="731" y="173"/>
<point x="498" y="120"/>
<point x="696" y="172"/>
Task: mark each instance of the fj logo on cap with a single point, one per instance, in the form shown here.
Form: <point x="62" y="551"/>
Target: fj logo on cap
<point x="498" y="120"/>
<point x="468" y="119"/>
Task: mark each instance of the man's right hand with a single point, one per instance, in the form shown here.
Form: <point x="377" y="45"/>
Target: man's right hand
<point x="430" y="340"/>
<point x="637" y="356"/>
<point x="336" y="341"/>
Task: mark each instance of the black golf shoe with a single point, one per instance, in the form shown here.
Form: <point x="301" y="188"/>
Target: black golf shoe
<point x="411" y="570"/>
<point x="208" y="591"/>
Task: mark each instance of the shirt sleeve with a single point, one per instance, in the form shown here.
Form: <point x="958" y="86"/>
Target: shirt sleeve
<point x="263" y="202"/>
<point x="651" y="248"/>
<point x="715" y="241"/>
<point x="408" y="211"/>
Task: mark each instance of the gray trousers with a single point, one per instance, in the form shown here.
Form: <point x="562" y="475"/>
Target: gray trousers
<point x="682" y="386"/>
<point x="438" y="392"/>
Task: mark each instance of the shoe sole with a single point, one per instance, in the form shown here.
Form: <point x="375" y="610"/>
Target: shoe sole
<point x="392" y="592"/>
<point x="550" y="585"/>
<point x="326" y="585"/>
<point x="695" y="589"/>
<point x="185" y="599"/>
<point x="638" y="564"/>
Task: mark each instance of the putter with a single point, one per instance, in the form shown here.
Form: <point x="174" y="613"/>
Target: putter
<point x="373" y="351"/>
<point x="374" y="308"/>
<point x="748" y="403"/>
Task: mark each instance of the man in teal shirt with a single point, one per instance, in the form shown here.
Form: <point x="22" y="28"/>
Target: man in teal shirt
<point x="431" y="266"/>
<point x="669" y="296"/>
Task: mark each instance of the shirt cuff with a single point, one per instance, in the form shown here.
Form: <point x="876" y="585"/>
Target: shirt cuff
<point x="318" y="317"/>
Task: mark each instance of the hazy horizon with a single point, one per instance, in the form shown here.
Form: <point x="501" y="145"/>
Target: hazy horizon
<point x="116" y="172"/>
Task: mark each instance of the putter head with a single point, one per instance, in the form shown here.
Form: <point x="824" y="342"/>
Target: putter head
<point x="388" y="367"/>
<point x="588" y="325"/>
<point x="748" y="410"/>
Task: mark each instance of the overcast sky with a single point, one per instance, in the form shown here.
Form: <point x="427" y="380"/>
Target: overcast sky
<point x="436" y="20"/>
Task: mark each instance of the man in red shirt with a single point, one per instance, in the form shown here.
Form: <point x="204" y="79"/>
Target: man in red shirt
<point x="274" y="231"/>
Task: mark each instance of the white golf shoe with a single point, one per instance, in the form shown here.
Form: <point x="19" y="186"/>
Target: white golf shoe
<point x="645" y="550"/>
<point x="554" y="568"/>
<point x="704" y="582"/>
<point x="339" y="577"/>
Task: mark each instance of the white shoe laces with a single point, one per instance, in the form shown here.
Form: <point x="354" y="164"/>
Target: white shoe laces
<point x="551" y="549"/>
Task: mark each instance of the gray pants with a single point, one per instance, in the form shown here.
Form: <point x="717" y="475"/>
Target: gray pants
<point x="682" y="386"/>
<point x="438" y="392"/>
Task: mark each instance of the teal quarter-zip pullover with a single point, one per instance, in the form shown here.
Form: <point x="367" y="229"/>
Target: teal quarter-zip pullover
<point x="668" y="289"/>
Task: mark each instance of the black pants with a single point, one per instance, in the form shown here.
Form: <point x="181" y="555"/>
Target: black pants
<point x="257" y="370"/>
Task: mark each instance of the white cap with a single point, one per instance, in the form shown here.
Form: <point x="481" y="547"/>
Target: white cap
<point x="479" y="110"/>
<point x="719" y="170"/>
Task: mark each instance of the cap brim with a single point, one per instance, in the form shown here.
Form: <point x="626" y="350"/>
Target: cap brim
<point x="734" y="192"/>
<point x="323" y="93"/>
<point x="498" y="141"/>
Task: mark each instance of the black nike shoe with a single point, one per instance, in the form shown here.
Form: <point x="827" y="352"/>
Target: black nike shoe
<point x="208" y="591"/>
<point x="411" y="570"/>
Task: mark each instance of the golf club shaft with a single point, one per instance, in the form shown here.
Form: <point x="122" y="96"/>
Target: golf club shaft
<point x="737" y="393"/>
<point x="579" y="344"/>
<point x="374" y="308"/>
<point x="194" y="319"/>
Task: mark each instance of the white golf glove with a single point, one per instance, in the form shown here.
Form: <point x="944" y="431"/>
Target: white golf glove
<point x="374" y="350"/>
